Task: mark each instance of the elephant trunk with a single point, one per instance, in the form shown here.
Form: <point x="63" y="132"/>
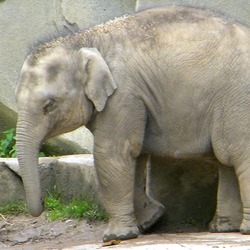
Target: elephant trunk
<point x="28" y="143"/>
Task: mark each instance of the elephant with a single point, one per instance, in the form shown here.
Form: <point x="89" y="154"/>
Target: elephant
<point x="170" y="82"/>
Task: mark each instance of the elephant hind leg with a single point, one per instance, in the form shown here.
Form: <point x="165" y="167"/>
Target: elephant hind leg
<point x="243" y="173"/>
<point x="228" y="214"/>
<point x="147" y="210"/>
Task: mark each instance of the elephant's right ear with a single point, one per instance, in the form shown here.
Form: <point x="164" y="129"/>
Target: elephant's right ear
<point x="100" y="83"/>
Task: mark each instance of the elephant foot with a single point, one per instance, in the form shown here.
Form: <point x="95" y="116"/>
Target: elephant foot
<point x="245" y="228"/>
<point x="149" y="214"/>
<point x="116" y="231"/>
<point x="222" y="224"/>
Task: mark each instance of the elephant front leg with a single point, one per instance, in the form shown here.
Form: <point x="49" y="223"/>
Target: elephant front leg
<point x="228" y="214"/>
<point x="147" y="210"/>
<point x="116" y="181"/>
<point x="118" y="144"/>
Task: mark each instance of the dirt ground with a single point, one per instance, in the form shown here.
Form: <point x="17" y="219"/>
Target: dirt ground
<point x="29" y="233"/>
<point x="26" y="232"/>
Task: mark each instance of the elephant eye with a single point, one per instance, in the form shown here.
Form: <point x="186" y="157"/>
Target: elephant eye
<point x="49" y="106"/>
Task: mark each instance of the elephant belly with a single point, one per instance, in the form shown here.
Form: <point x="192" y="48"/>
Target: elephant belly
<point x="184" y="146"/>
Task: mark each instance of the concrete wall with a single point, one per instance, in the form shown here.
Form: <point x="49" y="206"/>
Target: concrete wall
<point x="239" y="10"/>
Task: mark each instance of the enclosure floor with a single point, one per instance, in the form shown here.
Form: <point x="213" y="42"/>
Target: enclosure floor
<point x="180" y="241"/>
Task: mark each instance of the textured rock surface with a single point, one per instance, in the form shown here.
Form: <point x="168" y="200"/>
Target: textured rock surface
<point x="76" y="177"/>
<point x="11" y="187"/>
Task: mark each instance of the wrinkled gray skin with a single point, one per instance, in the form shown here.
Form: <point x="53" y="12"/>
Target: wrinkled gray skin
<point x="171" y="82"/>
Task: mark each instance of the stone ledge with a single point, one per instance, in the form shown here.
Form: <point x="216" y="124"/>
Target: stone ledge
<point x="71" y="176"/>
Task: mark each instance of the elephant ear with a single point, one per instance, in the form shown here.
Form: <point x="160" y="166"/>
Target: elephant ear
<point x="100" y="83"/>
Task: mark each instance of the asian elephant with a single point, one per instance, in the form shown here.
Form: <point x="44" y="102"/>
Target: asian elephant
<point x="167" y="82"/>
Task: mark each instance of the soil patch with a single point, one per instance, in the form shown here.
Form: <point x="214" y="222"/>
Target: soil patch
<point x="26" y="232"/>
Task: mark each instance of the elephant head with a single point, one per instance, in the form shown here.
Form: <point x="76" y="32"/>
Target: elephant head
<point x="58" y="90"/>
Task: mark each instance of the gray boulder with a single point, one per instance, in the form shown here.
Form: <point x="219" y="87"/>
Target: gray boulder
<point x="11" y="187"/>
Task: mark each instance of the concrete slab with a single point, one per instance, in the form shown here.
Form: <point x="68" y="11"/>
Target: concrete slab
<point x="181" y="241"/>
